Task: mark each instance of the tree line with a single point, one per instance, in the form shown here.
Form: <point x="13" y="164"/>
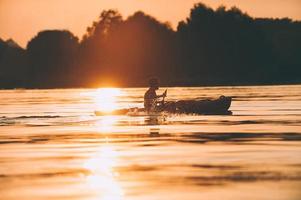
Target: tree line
<point x="210" y="47"/>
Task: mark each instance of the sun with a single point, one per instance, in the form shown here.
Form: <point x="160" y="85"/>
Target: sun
<point x="106" y="99"/>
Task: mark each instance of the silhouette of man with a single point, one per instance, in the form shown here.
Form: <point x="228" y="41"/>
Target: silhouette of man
<point x="150" y="96"/>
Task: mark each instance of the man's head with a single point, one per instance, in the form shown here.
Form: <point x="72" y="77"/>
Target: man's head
<point x="154" y="83"/>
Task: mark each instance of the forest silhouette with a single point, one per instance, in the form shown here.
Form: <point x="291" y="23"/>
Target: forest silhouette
<point x="210" y="47"/>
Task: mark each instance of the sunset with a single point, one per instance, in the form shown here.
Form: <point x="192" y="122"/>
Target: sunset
<point x="150" y="99"/>
<point x="22" y="19"/>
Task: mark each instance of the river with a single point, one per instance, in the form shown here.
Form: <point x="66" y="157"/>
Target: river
<point x="52" y="146"/>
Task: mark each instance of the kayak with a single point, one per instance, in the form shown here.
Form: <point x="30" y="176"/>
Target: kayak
<point x="218" y="106"/>
<point x="133" y="112"/>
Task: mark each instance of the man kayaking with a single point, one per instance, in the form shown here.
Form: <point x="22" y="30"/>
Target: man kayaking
<point x="151" y="98"/>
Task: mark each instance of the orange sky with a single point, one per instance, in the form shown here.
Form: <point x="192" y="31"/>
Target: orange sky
<point x="23" y="19"/>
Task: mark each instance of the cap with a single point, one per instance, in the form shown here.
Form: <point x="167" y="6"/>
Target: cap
<point x="153" y="82"/>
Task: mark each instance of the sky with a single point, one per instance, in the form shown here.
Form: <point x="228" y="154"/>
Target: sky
<point x="21" y="20"/>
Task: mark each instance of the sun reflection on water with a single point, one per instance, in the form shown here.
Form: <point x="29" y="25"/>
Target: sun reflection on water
<point x="103" y="178"/>
<point x="105" y="125"/>
<point x="106" y="99"/>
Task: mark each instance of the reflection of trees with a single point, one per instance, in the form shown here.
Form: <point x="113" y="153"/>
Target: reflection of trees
<point x="222" y="46"/>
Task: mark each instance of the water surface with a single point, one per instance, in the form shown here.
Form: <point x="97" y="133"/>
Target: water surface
<point x="52" y="146"/>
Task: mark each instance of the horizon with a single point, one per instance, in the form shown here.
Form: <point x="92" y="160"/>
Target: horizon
<point x="79" y="17"/>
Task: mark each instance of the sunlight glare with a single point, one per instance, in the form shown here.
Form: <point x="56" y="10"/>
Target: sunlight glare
<point x="106" y="99"/>
<point x="105" y="125"/>
<point x="102" y="178"/>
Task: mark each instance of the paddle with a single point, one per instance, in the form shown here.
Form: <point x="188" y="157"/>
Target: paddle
<point x="164" y="95"/>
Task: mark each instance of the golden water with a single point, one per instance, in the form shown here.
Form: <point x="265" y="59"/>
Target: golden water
<point x="52" y="146"/>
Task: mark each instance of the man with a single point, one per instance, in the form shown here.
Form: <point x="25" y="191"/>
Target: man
<point x="150" y="96"/>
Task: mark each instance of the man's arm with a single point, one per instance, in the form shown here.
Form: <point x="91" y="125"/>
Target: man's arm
<point x="162" y="95"/>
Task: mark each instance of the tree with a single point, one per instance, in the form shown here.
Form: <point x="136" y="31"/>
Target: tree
<point x="127" y="51"/>
<point x="93" y="47"/>
<point x="141" y="47"/>
<point x="53" y="59"/>
<point x="222" y="46"/>
<point x="211" y="47"/>
<point x="13" y="65"/>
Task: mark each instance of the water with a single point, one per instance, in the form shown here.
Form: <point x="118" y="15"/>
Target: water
<point x="52" y="146"/>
